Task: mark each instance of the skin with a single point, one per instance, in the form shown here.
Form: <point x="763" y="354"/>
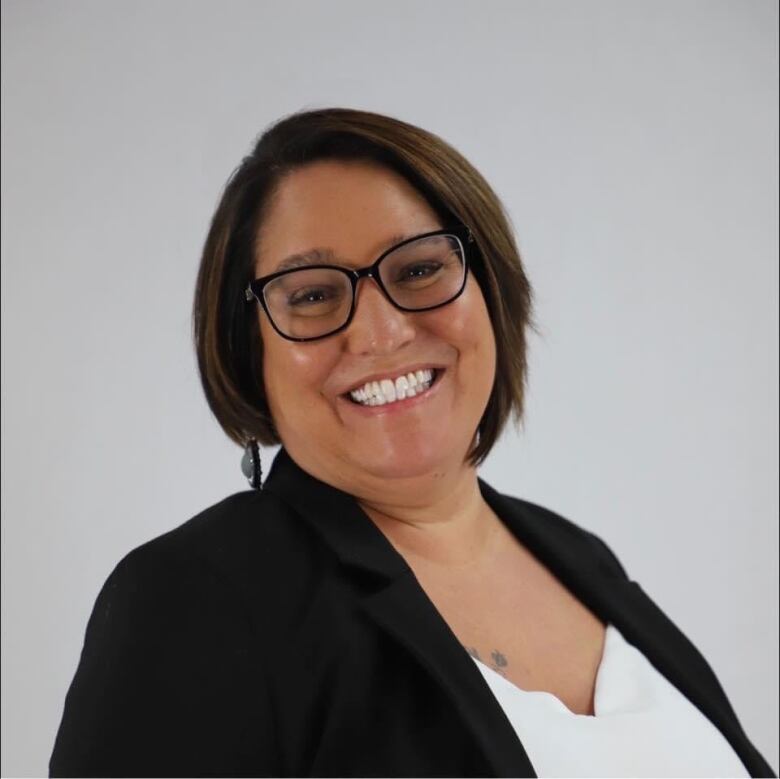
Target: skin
<point x="405" y="469"/>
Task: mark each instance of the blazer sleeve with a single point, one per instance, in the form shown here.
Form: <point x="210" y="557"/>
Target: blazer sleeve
<point x="170" y="681"/>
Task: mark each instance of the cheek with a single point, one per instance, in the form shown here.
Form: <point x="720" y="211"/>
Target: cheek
<point x="293" y="371"/>
<point x="466" y="324"/>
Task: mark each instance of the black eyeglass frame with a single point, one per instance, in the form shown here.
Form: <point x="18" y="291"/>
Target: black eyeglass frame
<point x="254" y="289"/>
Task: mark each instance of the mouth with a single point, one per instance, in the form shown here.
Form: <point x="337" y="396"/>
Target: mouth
<point x="406" y="391"/>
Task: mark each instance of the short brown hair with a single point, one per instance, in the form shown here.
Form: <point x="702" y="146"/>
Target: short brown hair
<point x="225" y="328"/>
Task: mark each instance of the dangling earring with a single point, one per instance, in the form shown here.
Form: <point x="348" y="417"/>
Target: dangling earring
<point x="251" y="466"/>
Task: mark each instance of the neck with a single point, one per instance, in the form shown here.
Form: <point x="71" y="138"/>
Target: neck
<point x="437" y="519"/>
<point x="448" y="528"/>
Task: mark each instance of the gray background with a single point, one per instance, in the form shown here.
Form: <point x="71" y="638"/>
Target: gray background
<point x="635" y="147"/>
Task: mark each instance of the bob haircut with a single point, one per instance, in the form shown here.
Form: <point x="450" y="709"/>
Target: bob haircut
<point x="226" y="330"/>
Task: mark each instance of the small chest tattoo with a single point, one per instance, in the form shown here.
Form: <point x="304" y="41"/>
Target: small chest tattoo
<point x="497" y="661"/>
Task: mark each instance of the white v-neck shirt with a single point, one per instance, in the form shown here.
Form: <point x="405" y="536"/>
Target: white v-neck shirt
<point x="642" y="725"/>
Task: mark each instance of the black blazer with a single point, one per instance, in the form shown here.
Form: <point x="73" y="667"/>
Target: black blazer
<point x="279" y="633"/>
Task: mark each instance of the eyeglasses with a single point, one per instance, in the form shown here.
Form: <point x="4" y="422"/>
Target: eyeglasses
<point x="418" y="274"/>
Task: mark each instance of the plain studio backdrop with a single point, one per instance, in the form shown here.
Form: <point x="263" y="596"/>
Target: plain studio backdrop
<point x="634" y="144"/>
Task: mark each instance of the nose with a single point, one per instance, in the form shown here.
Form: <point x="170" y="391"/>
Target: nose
<point x="377" y="326"/>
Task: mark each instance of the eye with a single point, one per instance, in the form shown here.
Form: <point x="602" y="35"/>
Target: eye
<point x="418" y="270"/>
<point x="307" y="297"/>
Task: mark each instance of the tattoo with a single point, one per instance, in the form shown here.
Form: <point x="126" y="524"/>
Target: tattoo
<point x="499" y="660"/>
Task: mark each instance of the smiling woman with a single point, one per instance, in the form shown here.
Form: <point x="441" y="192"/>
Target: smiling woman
<point x="345" y="188"/>
<point x="397" y="324"/>
<point x="376" y="608"/>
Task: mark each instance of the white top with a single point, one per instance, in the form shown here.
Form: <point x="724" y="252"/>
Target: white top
<point x="642" y="725"/>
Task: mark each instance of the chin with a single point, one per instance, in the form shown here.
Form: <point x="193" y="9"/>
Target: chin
<point x="406" y="461"/>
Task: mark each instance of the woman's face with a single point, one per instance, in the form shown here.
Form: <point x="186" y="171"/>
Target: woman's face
<point x="354" y="209"/>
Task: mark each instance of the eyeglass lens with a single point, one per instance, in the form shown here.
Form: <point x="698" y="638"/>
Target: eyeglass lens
<point x="311" y="302"/>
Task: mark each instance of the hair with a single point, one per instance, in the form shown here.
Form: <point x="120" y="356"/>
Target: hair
<point x="226" y="330"/>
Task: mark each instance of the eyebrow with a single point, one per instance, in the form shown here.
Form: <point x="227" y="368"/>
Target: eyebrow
<point x="326" y="256"/>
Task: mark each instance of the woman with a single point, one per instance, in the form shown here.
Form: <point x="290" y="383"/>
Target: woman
<point x="377" y="609"/>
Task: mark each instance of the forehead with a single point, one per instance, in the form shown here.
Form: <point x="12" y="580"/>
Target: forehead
<point x="353" y="210"/>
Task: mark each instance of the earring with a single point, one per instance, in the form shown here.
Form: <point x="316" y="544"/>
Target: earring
<point x="251" y="466"/>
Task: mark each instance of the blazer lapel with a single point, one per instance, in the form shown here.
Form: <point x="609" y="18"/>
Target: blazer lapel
<point x="406" y="613"/>
<point x="573" y="556"/>
<point x="400" y="607"/>
<point x="398" y="604"/>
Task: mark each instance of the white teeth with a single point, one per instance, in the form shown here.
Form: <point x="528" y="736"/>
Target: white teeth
<point x="377" y="393"/>
<point x="388" y="390"/>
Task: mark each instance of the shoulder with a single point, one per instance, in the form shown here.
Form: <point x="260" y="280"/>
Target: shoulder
<point x="557" y="529"/>
<point x="237" y="568"/>
<point x="247" y="534"/>
<point x="172" y="678"/>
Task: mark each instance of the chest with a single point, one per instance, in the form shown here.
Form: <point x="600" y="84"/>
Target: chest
<point x="519" y="620"/>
